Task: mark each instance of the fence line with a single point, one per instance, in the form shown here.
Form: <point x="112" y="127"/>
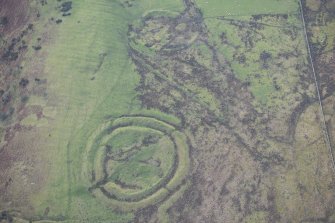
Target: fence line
<point x="324" y="125"/>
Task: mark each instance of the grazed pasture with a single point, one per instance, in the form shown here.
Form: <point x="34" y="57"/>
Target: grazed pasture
<point x="167" y="111"/>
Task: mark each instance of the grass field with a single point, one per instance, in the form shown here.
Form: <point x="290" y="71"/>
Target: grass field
<point x="212" y="8"/>
<point x="166" y="111"/>
<point x="82" y="103"/>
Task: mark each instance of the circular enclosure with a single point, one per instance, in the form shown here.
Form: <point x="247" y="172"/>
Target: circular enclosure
<point x="135" y="161"/>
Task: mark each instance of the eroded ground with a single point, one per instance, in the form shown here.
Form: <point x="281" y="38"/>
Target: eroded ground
<point x="182" y="111"/>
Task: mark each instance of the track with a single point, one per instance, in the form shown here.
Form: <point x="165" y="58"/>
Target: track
<point x="324" y="126"/>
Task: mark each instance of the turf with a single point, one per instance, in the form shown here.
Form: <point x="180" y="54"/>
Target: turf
<point x="212" y="8"/>
<point x="168" y="111"/>
<point x="71" y="65"/>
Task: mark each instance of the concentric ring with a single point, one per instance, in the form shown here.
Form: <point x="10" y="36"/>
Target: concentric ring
<point x="135" y="161"/>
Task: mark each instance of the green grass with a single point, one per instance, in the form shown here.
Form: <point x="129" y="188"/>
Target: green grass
<point x="127" y="136"/>
<point x="145" y="121"/>
<point x="274" y="38"/>
<point x="84" y="98"/>
<point x="147" y="177"/>
<point x="72" y="57"/>
<point x="126" y="207"/>
<point x="243" y="7"/>
<point x="170" y="119"/>
<point x="204" y="53"/>
<point x="184" y="161"/>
